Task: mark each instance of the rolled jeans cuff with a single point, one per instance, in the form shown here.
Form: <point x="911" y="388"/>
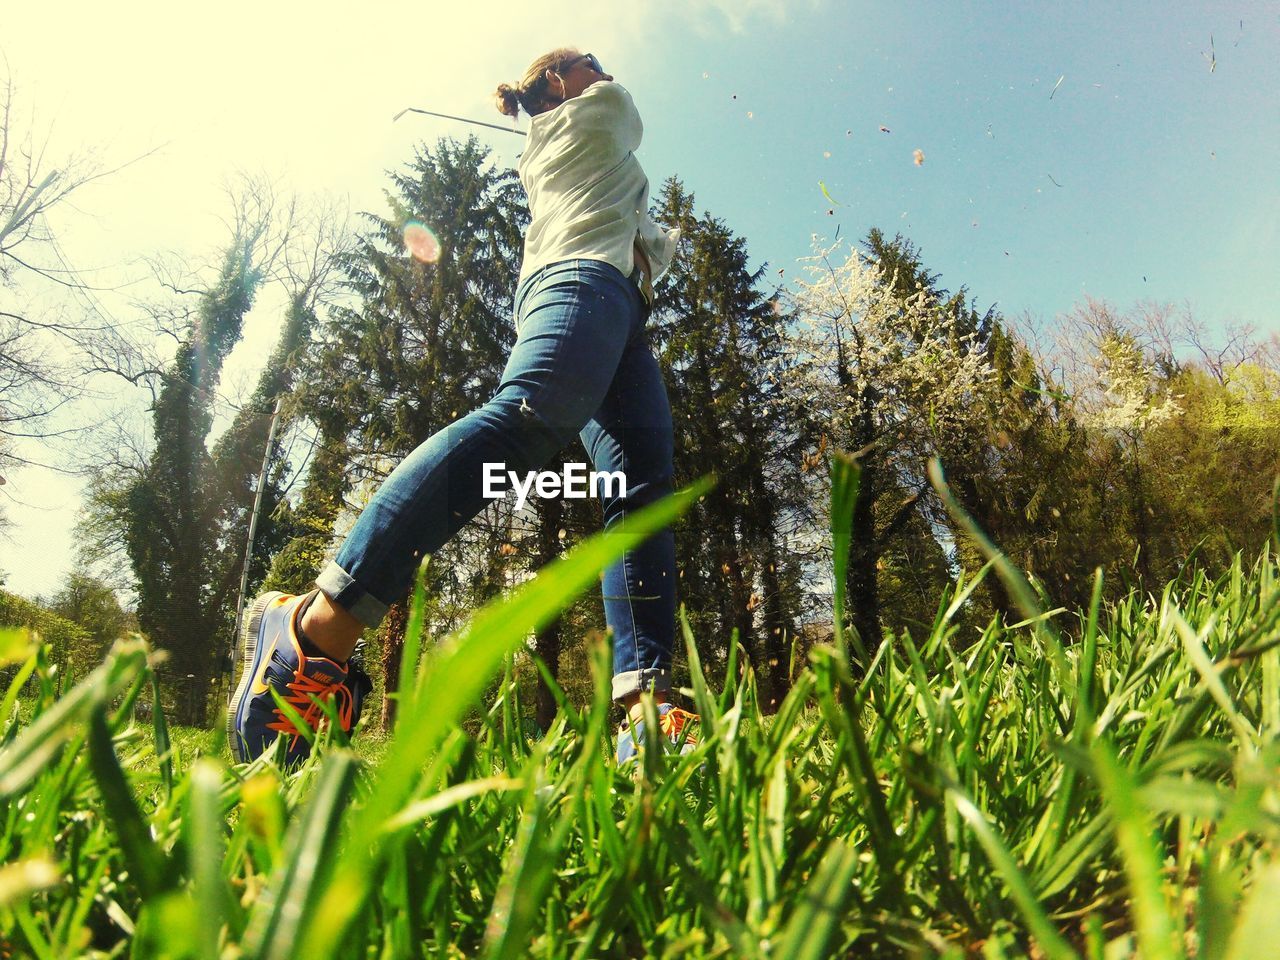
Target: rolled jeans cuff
<point x="633" y="681"/>
<point x="338" y="585"/>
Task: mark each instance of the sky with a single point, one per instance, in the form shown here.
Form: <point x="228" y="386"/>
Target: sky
<point x="1120" y="151"/>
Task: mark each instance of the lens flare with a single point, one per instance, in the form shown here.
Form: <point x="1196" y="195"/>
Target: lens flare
<point x="421" y="242"/>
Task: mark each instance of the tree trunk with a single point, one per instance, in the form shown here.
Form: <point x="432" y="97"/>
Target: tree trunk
<point x="862" y="584"/>
<point x="1141" y="529"/>
<point x="549" y="641"/>
<point x="392" y="630"/>
<point x="777" y="677"/>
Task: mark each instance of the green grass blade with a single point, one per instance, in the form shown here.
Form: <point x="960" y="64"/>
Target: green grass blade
<point x="846" y="477"/>
<point x="1218" y="898"/>
<point x="35" y="747"/>
<point x="279" y="919"/>
<point x="450" y="797"/>
<point x="161" y="727"/>
<point x="814" y="928"/>
<point x="1049" y="940"/>
<point x="527" y="874"/>
<point x="1210" y="673"/>
<point x="411" y="655"/>
<point x="1089" y="657"/>
<point x="1140" y="856"/>
<point x="8" y="709"/>
<point x="147" y="864"/>
<point x="207" y="847"/>
<point x="1275" y="513"/>
<point x="1026" y="599"/>
<point x="707" y="709"/>
<point x="1257" y="930"/>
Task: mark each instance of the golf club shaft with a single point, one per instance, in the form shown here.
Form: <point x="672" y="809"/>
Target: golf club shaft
<point x="447" y="116"/>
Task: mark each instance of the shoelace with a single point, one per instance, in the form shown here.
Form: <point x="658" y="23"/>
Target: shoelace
<point x="299" y="687"/>
<point x="673" y="722"/>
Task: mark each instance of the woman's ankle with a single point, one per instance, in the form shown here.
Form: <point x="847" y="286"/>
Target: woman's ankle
<point x="330" y="628"/>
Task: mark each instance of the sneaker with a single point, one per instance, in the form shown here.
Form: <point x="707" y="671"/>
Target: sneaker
<point x="672" y="721"/>
<point x="273" y="658"/>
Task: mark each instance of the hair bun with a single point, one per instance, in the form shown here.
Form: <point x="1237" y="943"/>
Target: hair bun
<point x="507" y="100"/>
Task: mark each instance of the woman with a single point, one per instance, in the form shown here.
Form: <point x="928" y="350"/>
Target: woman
<point x="581" y="366"/>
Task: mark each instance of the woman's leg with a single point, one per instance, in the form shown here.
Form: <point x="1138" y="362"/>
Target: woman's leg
<point x="632" y="432"/>
<point x="575" y="320"/>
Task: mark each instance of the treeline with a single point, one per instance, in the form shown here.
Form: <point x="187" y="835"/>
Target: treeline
<point x="1138" y="444"/>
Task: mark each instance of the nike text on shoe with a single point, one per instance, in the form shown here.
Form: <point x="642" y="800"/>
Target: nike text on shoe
<point x="273" y="658"/>
<point x="674" y="723"/>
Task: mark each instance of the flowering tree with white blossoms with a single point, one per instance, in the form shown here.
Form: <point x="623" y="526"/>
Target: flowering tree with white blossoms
<point x="888" y="379"/>
<point x="1123" y="378"/>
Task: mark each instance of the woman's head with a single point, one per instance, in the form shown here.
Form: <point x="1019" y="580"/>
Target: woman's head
<point x="550" y="80"/>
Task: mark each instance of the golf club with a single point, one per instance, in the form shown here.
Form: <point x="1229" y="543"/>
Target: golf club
<point x="447" y="116"/>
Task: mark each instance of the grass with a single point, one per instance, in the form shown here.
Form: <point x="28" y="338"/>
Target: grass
<point x="1099" y="784"/>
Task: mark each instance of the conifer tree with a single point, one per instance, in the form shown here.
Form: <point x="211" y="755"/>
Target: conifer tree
<point x="173" y="512"/>
<point x="718" y="335"/>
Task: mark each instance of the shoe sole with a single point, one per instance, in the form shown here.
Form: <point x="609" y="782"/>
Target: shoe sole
<point x="249" y="667"/>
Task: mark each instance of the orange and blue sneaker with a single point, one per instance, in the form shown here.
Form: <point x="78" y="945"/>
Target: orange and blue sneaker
<point x="674" y="724"/>
<point x="273" y="657"/>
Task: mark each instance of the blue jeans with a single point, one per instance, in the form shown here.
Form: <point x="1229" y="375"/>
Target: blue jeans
<point x="581" y="366"/>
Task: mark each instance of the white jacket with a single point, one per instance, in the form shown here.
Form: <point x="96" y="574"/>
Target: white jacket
<point x="588" y="196"/>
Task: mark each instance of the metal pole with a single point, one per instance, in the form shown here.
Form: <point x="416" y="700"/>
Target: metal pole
<point x="253" y="528"/>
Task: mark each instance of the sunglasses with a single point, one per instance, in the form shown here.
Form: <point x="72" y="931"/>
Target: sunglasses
<point x="592" y="61"/>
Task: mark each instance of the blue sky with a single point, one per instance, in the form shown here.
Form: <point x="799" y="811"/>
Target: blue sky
<point x="1167" y="170"/>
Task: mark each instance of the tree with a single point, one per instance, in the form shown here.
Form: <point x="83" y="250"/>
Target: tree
<point x="719" y="339"/>
<point x="1121" y="385"/>
<point x="1212" y="465"/>
<point x="177" y="509"/>
<point x="36" y="380"/>
<point x="173" y="510"/>
<point x="884" y="376"/>
<point x="1165" y="446"/>
<point x="91" y="604"/>
<point x="1014" y="466"/>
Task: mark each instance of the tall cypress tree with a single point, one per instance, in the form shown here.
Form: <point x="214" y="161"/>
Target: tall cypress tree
<point x="174" y="511"/>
